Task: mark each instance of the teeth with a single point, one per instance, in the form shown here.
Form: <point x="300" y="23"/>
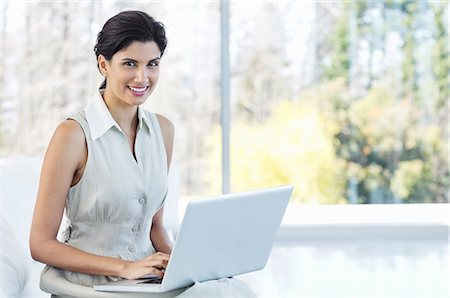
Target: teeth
<point x="137" y="89"/>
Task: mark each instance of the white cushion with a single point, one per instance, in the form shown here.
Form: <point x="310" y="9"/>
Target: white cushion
<point x="20" y="181"/>
<point x="19" y="185"/>
<point x="14" y="263"/>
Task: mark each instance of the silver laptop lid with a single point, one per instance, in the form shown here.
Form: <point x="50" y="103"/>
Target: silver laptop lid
<point x="226" y="235"/>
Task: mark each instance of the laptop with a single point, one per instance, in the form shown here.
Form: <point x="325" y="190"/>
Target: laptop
<point x="219" y="237"/>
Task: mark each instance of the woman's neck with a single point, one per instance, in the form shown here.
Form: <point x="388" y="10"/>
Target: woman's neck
<point x="124" y="114"/>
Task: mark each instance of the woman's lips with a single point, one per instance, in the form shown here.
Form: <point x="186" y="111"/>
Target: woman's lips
<point x="137" y="91"/>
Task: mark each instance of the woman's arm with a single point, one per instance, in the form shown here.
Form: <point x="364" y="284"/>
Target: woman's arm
<point x="168" y="133"/>
<point x="158" y="233"/>
<point x="63" y="162"/>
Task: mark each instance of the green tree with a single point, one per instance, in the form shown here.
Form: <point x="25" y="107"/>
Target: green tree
<point x="405" y="159"/>
<point x="384" y="146"/>
<point x="390" y="150"/>
<point x="441" y="71"/>
<point x="441" y="63"/>
<point x="340" y="58"/>
<point x="409" y="75"/>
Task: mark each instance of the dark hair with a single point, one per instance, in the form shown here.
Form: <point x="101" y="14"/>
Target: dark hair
<point x="126" y="27"/>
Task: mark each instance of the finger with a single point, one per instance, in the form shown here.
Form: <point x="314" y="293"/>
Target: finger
<point x="159" y="256"/>
<point x="163" y="255"/>
<point x="155" y="263"/>
<point x="156" y="271"/>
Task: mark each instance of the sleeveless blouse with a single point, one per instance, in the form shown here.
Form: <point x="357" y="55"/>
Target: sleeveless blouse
<point x="110" y="209"/>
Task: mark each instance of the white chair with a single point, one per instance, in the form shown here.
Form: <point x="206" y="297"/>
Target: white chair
<point x="19" y="184"/>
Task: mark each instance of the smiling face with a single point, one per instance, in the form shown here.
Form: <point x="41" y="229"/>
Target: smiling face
<point x="132" y="73"/>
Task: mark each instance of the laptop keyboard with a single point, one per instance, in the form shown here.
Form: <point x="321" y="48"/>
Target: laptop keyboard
<point x="151" y="281"/>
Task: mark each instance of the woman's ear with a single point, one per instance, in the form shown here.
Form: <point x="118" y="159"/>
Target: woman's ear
<point x="102" y="65"/>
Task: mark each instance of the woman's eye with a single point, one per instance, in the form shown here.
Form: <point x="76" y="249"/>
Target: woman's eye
<point x="129" y="63"/>
<point x="153" y="64"/>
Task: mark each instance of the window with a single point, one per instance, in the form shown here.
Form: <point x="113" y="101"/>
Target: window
<point x="347" y="101"/>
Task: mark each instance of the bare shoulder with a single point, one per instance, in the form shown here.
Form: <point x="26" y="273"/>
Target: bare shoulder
<point x="70" y="131"/>
<point x="168" y="131"/>
<point x="167" y="127"/>
<point x="69" y="142"/>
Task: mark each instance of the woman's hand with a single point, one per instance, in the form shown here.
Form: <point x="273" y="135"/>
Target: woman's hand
<point x="153" y="264"/>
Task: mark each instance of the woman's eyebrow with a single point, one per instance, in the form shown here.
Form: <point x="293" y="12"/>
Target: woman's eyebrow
<point x="133" y="60"/>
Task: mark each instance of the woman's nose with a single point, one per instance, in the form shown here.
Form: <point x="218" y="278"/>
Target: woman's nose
<point x="141" y="76"/>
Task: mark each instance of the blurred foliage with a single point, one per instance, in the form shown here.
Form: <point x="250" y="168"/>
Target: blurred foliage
<point x="340" y="58"/>
<point x="441" y="61"/>
<point x="383" y="143"/>
<point x="392" y="148"/>
<point x="407" y="177"/>
<point x="294" y="146"/>
<point x="322" y="140"/>
<point x="409" y="66"/>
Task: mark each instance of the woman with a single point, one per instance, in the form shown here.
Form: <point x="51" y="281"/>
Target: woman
<point x="107" y="165"/>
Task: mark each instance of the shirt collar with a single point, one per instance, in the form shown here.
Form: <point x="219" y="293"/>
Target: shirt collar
<point x="142" y="117"/>
<point x="100" y="119"/>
